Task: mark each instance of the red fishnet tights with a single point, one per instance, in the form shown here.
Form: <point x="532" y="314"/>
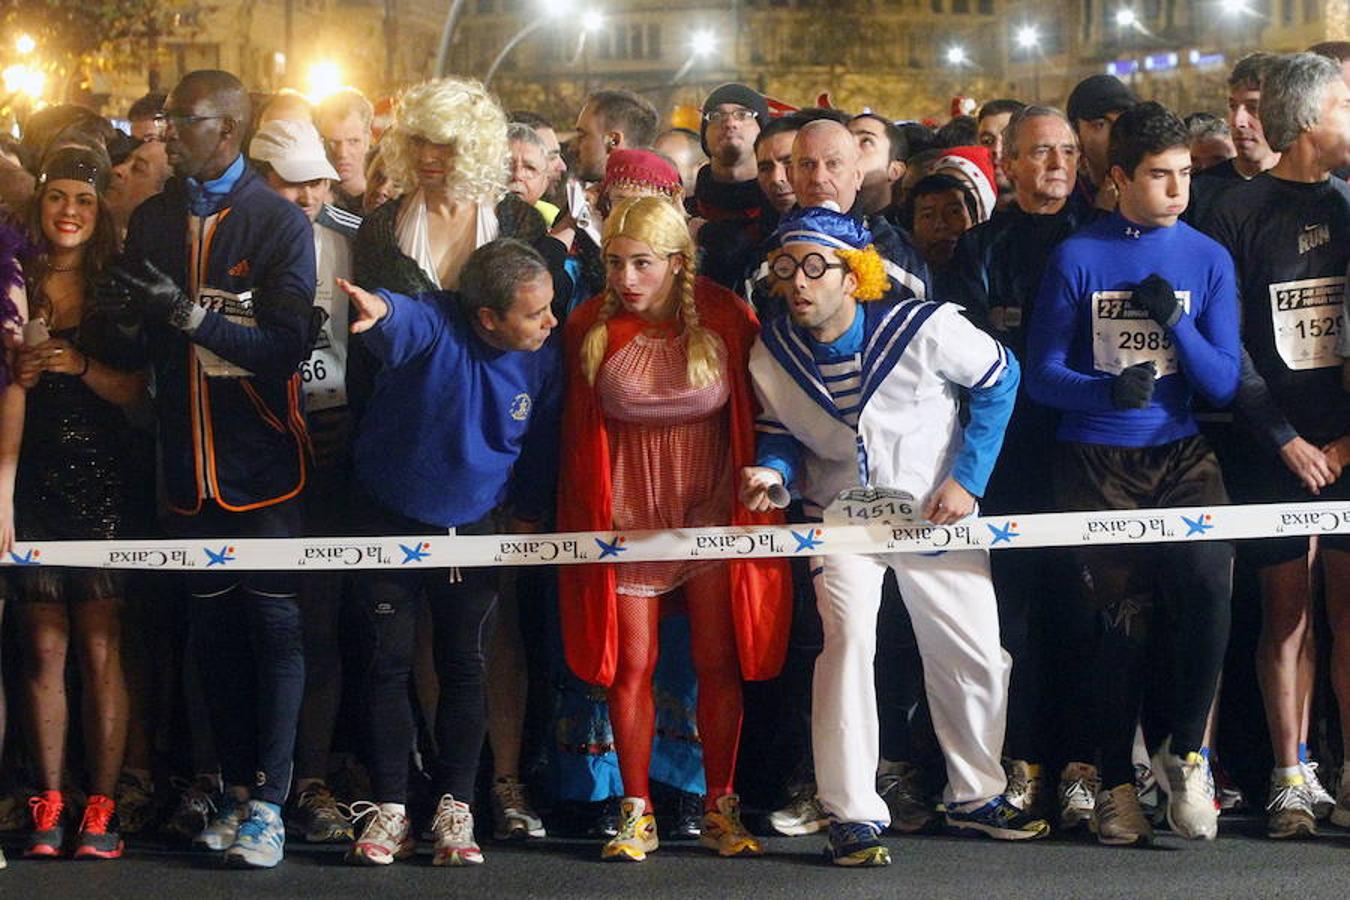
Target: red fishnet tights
<point x="632" y="713"/>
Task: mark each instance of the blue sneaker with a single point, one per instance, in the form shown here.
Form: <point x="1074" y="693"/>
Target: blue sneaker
<point x="856" y="844"/>
<point x="999" y="819"/>
<point x="261" y="840"/>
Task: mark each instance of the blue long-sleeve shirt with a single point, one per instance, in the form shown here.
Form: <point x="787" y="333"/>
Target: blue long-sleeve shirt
<point x="456" y="426"/>
<point x="1082" y="325"/>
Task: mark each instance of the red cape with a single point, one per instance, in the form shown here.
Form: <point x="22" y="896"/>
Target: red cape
<point x="761" y="589"/>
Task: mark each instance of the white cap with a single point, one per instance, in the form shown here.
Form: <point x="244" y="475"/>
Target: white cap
<point x="293" y="149"/>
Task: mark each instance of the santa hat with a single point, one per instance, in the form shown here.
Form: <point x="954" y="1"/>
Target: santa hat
<point x="976" y="165"/>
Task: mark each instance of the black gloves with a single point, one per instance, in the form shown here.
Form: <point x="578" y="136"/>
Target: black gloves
<point x="1156" y="295"/>
<point x="150" y="295"/>
<point x="1133" y="388"/>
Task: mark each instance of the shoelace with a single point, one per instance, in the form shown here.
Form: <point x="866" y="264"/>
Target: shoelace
<point x="46" y="813"/>
<point x="254" y="827"/>
<point x="319" y="800"/>
<point x="1018" y="784"/>
<point x="452" y="821"/>
<point x="1290" y="796"/>
<point x="1080" y="791"/>
<point x="856" y="832"/>
<point x="512" y="794"/>
<point x="1315" y="786"/>
<point x="384" y="828"/>
<point x="197" y="800"/>
<point x="627" y="827"/>
<point x="1122" y="806"/>
<point x="97" y="815"/>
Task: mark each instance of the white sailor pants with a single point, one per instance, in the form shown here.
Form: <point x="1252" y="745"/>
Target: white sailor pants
<point x="951" y="602"/>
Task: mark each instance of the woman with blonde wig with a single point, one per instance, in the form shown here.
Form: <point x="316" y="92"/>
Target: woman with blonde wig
<point x="659" y="415"/>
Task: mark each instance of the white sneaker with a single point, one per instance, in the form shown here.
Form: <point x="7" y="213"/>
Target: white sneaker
<point x="1323" y="803"/>
<point x="803" y="813"/>
<point x="1079" y="785"/>
<point x="1191" y="810"/>
<point x="453" y="830"/>
<point x="1290" y="811"/>
<point x="387" y="835"/>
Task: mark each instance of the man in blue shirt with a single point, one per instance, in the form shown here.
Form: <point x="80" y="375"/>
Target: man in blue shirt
<point x="1137" y="313"/>
<point x="463" y="421"/>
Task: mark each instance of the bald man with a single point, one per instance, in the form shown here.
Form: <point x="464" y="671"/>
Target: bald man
<point x="219" y="271"/>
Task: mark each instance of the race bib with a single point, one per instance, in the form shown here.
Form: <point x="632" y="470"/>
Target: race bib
<point x="1123" y="335"/>
<point x="237" y="308"/>
<point x="872" y="506"/>
<point x="1308" y="319"/>
<point x="323" y="375"/>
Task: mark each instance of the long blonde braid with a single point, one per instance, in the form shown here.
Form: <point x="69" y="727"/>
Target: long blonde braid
<point x="657" y="222"/>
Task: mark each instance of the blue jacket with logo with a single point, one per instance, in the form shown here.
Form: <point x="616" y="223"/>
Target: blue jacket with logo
<point x="456" y="426"/>
<point x="240" y="441"/>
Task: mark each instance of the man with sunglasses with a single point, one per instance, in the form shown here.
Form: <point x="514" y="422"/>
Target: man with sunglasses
<point x="861" y="404"/>
<point x="219" y="271"/>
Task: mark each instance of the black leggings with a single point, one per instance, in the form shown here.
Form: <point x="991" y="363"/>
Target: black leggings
<point x="1173" y="597"/>
<point x="462" y="617"/>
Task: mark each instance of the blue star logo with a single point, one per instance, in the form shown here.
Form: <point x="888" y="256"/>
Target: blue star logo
<point x="1198" y="525"/>
<point x="416" y="553"/>
<point x="218" y="559"/>
<point x="613" y="548"/>
<point x="809" y="541"/>
<point x="1003" y="535"/>
<point x="28" y="559"/>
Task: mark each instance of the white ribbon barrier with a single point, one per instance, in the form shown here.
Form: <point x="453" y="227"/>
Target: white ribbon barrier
<point x="1073" y="529"/>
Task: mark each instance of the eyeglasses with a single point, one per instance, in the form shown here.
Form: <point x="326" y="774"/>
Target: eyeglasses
<point x="813" y="265"/>
<point x="720" y="116"/>
<point x="183" y="120"/>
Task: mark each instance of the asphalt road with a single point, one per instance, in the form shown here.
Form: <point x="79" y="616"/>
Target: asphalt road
<point x="1242" y="863"/>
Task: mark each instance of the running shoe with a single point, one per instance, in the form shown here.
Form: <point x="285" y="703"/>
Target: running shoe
<point x="1152" y="800"/>
<point x="387" y="835"/>
<point x="221" y="832"/>
<point x="1323" y="803"/>
<point x="688" y="822"/>
<point x="135" y="803"/>
<point x="1025" y="785"/>
<point x="261" y="840"/>
<point x="316" y="817"/>
<point x="1117" y="818"/>
<point x="901" y="785"/>
<point x="856" y="844"/>
<point x="1079" y="786"/>
<point x="48" y="836"/>
<point x="1341" y="815"/>
<point x="99" y="831"/>
<point x="1226" y="792"/>
<point x="1290" y="811"/>
<point x="512" y="816"/>
<point x="803" y="813"/>
<point x="637" y="833"/>
<point x="14" y="810"/>
<point x="998" y="819"/>
<point x="1191" y="810"/>
<point x="453" y="830"/>
<point x="723" y="831"/>
<point x="197" y="801"/>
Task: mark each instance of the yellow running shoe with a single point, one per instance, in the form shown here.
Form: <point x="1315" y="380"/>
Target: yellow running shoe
<point x="637" y="833"/>
<point x="724" y="832"/>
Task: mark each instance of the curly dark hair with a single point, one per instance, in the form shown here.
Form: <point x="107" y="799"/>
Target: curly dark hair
<point x="1144" y="129"/>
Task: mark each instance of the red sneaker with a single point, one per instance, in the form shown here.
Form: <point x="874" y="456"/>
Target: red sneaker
<point x="49" y="833"/>
<point x="98" y="830"/>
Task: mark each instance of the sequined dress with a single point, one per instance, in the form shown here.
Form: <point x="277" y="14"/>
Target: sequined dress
<point x="72" y="478"/>
<point x="669" y="450"/>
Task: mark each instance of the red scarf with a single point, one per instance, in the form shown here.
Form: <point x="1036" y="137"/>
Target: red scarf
<point x="761" y="589"/>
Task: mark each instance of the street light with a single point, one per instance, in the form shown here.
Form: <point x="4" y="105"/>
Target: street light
<point x="1027" y="37"/>
<point x="323" y="80"/>
<point x="548" y="11"/>
<point x="956" y="55"/>
<point x="26" y="80"/>
<point x="592" y="21"/>
<point x="702" y="43"/>
<point x="1126" y="18"/>
<point x="25" y="44"/>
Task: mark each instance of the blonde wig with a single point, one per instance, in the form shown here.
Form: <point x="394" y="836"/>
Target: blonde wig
<point x="455" y="112"/>
<point x="659" y="224"/>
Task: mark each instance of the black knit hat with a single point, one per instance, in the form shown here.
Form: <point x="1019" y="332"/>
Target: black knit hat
<point x="1097" y="95"/>
<point x="77" y="164"/>
<point x="731" y="92"/>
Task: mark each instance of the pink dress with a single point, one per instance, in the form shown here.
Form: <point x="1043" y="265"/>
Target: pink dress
<point x="669" y="451"/>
